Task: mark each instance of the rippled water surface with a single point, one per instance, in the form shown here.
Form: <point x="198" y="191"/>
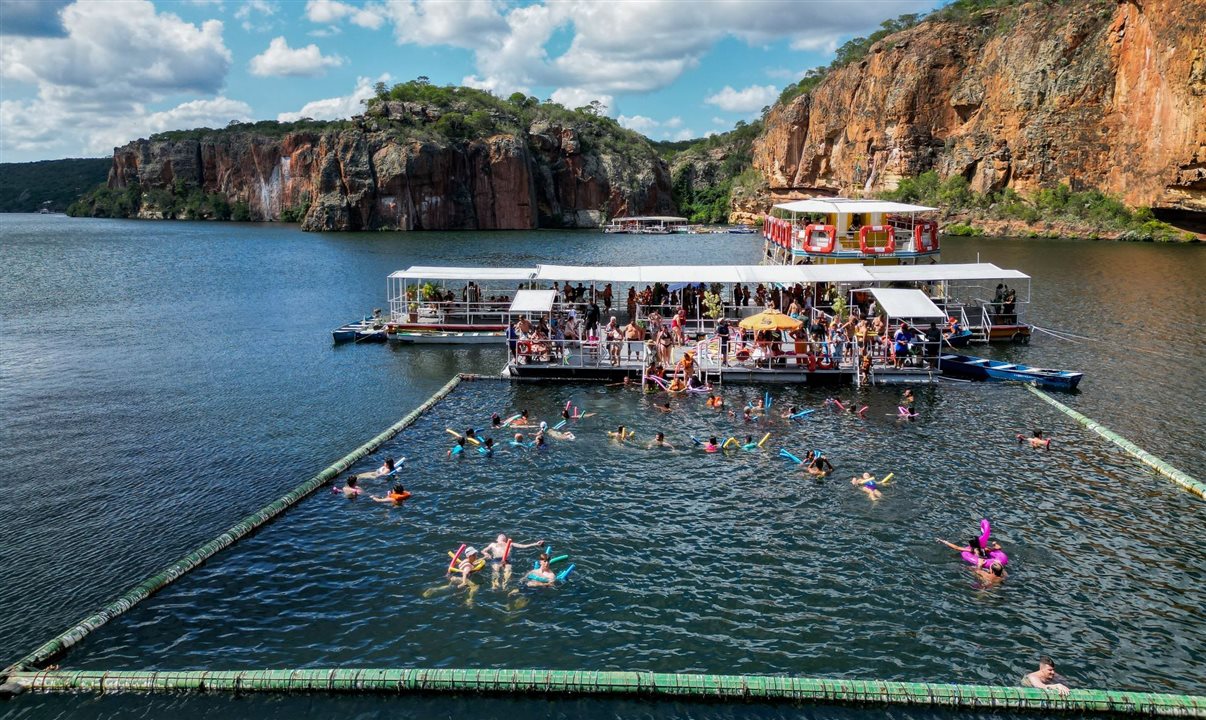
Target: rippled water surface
<point x="158" y="381"/>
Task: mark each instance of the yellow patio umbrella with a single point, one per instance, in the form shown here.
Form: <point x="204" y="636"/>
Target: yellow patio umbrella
<point x="770" y="320"/>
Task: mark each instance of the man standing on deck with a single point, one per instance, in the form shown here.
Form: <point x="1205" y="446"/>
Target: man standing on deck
<point x="592" y="318"/>
<point x="607" y="296"/>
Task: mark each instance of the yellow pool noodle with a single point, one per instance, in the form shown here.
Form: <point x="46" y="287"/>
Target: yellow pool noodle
<point x="764" y="437"/>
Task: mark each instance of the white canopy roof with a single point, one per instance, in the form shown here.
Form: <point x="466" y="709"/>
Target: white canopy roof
<point x="533" y="301"/>
<point x="749" y="274"/>
<point x="907" y="304"/>
<point x="922" y="273"/>
<point x="848" y="205"/>
<point x="423" y="272"/>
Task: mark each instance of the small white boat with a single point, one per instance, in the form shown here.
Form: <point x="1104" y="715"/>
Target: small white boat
<point x="446" y="337"/>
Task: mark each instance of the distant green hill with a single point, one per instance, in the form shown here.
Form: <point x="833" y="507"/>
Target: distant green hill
<point x="54" y="184"/>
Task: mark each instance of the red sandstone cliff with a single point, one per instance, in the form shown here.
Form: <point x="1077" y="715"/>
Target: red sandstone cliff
<point x="1110" y="95"/>
<point x="376" y="177"/>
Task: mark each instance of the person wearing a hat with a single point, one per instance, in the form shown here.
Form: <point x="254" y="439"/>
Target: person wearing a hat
<point x="468" y="563"/>
<point x="866" y="483"/>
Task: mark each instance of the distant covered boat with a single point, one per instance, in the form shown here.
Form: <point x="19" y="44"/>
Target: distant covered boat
<point x="367" y="330"/>
<point x="978" y="368"/>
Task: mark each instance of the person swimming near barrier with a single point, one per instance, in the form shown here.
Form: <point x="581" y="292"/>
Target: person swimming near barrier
<point x="457" y="450"/>
<point x="620" y="434"/>
<point x="659" y="441"/>
<point x="543" y="574"/>
<point x="1045" y="678"/>
<point x="1036" y="441"/>
<point x="397" y="495"/>
<point x="867" y="484"/>
<point x="389" y="467"/>
<point x="351" y="487"/>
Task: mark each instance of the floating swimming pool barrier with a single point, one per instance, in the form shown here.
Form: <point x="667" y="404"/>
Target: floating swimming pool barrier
<point x="241" y="529"/>
<point x="1183" y="479"/>
<point x="574" y="683"/>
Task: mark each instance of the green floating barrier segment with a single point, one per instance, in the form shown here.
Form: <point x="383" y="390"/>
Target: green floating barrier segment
<point x="1186" y="481"/>
<point x="241" y="529"/>
<point x="603" y="683"/>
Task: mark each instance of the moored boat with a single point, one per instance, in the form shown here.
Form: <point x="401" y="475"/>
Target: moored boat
<point x="436" y="337"/>
<point x="370" y="330"/>
<point x="978" y="368"/>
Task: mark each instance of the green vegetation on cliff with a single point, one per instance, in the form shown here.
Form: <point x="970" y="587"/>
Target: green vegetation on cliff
<point x="1044" y="211"/>
<point x="53" y="184"/>
<point x="176" y="203"/>
<point x="706" y="174"/>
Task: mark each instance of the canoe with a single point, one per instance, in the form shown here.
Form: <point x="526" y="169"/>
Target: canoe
<point x="978" y="368"/>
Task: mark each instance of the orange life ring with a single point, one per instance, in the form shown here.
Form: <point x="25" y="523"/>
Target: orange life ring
<point x="830" y="232"/>
<point x="825" y="364"/>
<point x="523" y="347"/>
<point x="924" y="229"/>
<point x="886" y="249"/>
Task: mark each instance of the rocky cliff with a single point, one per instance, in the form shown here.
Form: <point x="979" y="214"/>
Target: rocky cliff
<point x="390" y="170"/>
<point x="1091" y="93"/>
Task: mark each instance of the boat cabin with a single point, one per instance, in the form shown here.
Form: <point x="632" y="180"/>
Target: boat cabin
<point x="837" y="230"/>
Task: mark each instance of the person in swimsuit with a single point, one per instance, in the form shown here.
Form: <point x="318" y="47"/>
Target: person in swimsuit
<point x="387" y="467"/>
<point x="620" y="434"/>
<point x="542" y="575"/>
<point x="457" y="450"/>
<point x="711" y="445"/>
<point x="660" y="441"/>
<point x="867" y="484"/>
<point x="1045" y="678"/>
<point x="467" y="563"/>
<point x="496" y="549"/>
<point x="487" y="448"/>
<point x="351" y="488"/>
<point x="817" y="465"/>
<point x="1037" y="441"/>
<point x="396" y="496"/>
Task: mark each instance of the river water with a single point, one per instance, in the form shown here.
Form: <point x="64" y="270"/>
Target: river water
<point x="159" y="381"/>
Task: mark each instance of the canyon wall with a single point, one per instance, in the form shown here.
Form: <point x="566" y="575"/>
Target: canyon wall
<point x="1091" y="93"/>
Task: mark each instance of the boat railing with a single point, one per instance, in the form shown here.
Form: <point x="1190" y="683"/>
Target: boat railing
<point x="453" y="312"/>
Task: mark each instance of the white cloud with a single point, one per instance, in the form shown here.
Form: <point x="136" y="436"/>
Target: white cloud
<point x="576" y="97"/>
<point x="256" y="15"/>
<point x="748" y="100"/>
<point x="673" y="122"/>
<point x="687" y="134"/>
<point x="640" y="123"/>
<point x="716" y="120"/>
<point x="95" y="84"/>
<point x="198" y="113"/>
<point x="327" y="12"/>
<point x="280" y="60"/>
<point x="337" y="107"/>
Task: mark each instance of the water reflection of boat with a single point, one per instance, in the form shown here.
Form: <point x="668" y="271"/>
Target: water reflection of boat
<point x="646" y="225"/>
<point x="978" y="368"/>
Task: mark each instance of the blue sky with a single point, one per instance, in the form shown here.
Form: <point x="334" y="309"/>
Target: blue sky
<point x="78" y="78"/>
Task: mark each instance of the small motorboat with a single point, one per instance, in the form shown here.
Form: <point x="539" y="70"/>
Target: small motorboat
<point x="370" y="330"/>
<point x="978" y="368"/>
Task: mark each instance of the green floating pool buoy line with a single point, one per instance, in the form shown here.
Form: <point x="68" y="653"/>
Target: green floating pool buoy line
<point x="609" y="683"/>
<point x="244" y="527"/>
<point x="1185" y="480"/>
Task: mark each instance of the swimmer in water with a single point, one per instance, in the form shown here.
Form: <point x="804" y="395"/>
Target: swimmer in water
<point x="387" y="467"/>
<point x="351" y="488"/>
<point x="518" y="441"/>
<point x="1045" y="678"/>
<point x="747" y="415"/>
<point x="715" y="401"/>
<point x="471" y="435"/>
<point x="664" y="407"/>
<point x="1037" y="441"/>
<point x="496" y="421"/>
<point x="660" y="441"/>
<point x="541" y="444"/>
<point x="467" y="563"/>
<point x="818" y="465"/>
<point x="498" y="548"/>
<point x="487" y="448"/>
<point x="396" y="496"/>
<point x="711" y="445"/>
<point x="786" y="414"/>
<point x="992" y="571"/>
<point x="457" y="450"/>
<point x="542" y="575"/>
<point x="620" y="434"/>
<point x="749" y="444"/>
<point x="866" y="483"/>
<point x="556" y="434"/>
<point x="522" y="420"/>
